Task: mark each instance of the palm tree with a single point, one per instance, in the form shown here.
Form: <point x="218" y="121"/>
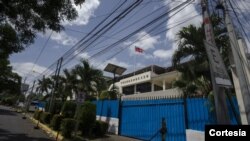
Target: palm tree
<point x="66" y="85"/>
<point x="191" y="47"/>
<point x="44" y="86"/>
<point x="190" y="43"/>
<point x="88" y="78"/>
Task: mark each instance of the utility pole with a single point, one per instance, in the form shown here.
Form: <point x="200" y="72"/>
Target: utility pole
<point x="27" y="105"/>
<point x="239" y="71"/>
<point x="55" y="84"/>
<point x="219" y="76"/>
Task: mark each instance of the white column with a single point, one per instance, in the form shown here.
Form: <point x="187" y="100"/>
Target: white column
<point x="163" y="85"/>
<point x="135" y="89"/>
<point x="152" y="86"/>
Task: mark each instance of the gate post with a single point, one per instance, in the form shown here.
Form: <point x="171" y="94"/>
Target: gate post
<point x="185" y="110"/>
<point x="163" y="129"/>
<point x="119" y="116"/>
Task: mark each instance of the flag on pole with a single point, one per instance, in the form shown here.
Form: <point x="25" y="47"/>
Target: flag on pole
<point x="137" y="49"/>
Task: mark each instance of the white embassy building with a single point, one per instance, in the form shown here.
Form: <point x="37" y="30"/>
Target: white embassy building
<point x="152" y="82"/>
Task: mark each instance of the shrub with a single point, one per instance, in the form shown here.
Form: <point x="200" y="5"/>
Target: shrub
<point x="108" y="95"/>
<point x="9" y="101"/>
<point x="100" y="128"/>
<point x="46" y="117"/>
<point x="87" y="117"/>
<point x="68" y="109"/>
<point x="56" y="122"/>
<point x="104" y="127"/>
<point x="37" y="114"/>
<point x="67" y="127"/>
<point x="57" y="106"/>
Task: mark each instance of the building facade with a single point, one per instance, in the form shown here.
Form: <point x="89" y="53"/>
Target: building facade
<point x="152" y="82"/>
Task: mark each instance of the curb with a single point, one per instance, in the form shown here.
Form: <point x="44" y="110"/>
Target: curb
<point x="49" y="131"/>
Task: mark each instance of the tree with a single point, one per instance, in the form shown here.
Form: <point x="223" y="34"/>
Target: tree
<point x="21" y="20"/>
<point x="44" y="86"/>
<point x="88" y="78"/>
<point x="192" y="50"/>
<point x="190" y="43"/>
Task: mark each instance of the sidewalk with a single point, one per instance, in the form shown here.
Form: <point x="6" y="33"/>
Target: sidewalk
<point x="109" y="137"/>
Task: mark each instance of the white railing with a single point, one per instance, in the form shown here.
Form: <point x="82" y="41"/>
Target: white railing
<point x="170" y="93"/>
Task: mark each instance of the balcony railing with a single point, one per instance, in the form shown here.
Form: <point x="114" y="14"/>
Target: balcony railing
<point x="170" y="93"/>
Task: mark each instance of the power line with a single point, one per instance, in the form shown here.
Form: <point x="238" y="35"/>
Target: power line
<point x="243" y="30"/>
<point x="104" y="29"/>
<point x="40" y="53"/>
<point x="141" y="28"/>
<point x="114" y="20"/>
<point x="140" y="39"/>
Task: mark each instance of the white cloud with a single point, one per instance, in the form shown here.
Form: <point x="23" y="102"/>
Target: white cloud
<point x="102" y="64"/>
<point x="163" y="54"/>
<point x="188" y="11"/>
<point x="85" y="11"/>
<point x="63" y="38"/>
<point x="24" y="68"/>
<point x="84" y="55"/>
<point x="145" y="41"/>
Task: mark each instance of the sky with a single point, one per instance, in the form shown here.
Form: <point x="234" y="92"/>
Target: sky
<point x="157" y="42"/>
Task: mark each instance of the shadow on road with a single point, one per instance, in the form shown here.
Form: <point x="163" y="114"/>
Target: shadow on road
<point x="7" y="136"/>
<point x="6" y="112"/>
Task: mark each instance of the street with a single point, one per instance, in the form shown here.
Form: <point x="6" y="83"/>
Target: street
<point x="14" y="128"/>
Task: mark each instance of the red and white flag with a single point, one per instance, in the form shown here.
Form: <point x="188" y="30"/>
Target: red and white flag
<point x="137" y="49"/>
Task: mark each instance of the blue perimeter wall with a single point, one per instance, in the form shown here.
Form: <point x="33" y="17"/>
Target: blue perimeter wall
<point x="142" y="119"/>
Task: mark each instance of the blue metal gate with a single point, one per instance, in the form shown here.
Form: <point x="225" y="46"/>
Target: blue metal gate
<point x="142" y="119"/>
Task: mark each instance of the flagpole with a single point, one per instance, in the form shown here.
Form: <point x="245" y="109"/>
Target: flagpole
<point x="134" y="59"/>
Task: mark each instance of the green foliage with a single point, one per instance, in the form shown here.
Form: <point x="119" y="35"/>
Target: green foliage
<point x="57" y="106"/>
<point x="104" y="95"/>
<point x="111" y="95"/>
<point x="20" y="21"/>
<point x="100" y="128"/>
<point x="89" y="78"/>
<point x="9" y="100"/>
<point x="18" y="25"/>
<point x="37" y="114"/>
<point x="68" y="109"/>
<point x="56" y="122"/>
<point x="87" y="117"/>
<point x="67" y="127"/>
<point x="46" y="117"/>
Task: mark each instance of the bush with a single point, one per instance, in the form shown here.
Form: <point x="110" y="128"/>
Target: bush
<point x="9" y="101"/>
<point x="105" y="95"/>
<point x="37" y="114"/>
<point x="67" y="127"/>
<point x="46" y="117"/>
<point x="57" y="106"/>
<point x="56" y="122"/>
<point x="100" y="128"/>
<point x="68" y="109"/>
<point x="87" y="117"/>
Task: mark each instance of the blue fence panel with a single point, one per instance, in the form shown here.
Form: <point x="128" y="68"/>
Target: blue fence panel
<point x="198" y="113"/>
<point x="107" y="108"/>
<point x="143" y="119"/>
<point x="41" y="104"/>
<point x="233" y="110"/>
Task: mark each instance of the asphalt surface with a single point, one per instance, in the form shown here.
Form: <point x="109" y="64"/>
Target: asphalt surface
<point x="14" y="128"/>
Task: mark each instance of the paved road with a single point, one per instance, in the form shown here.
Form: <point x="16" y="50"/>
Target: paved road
<point x="14" y="128"/>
